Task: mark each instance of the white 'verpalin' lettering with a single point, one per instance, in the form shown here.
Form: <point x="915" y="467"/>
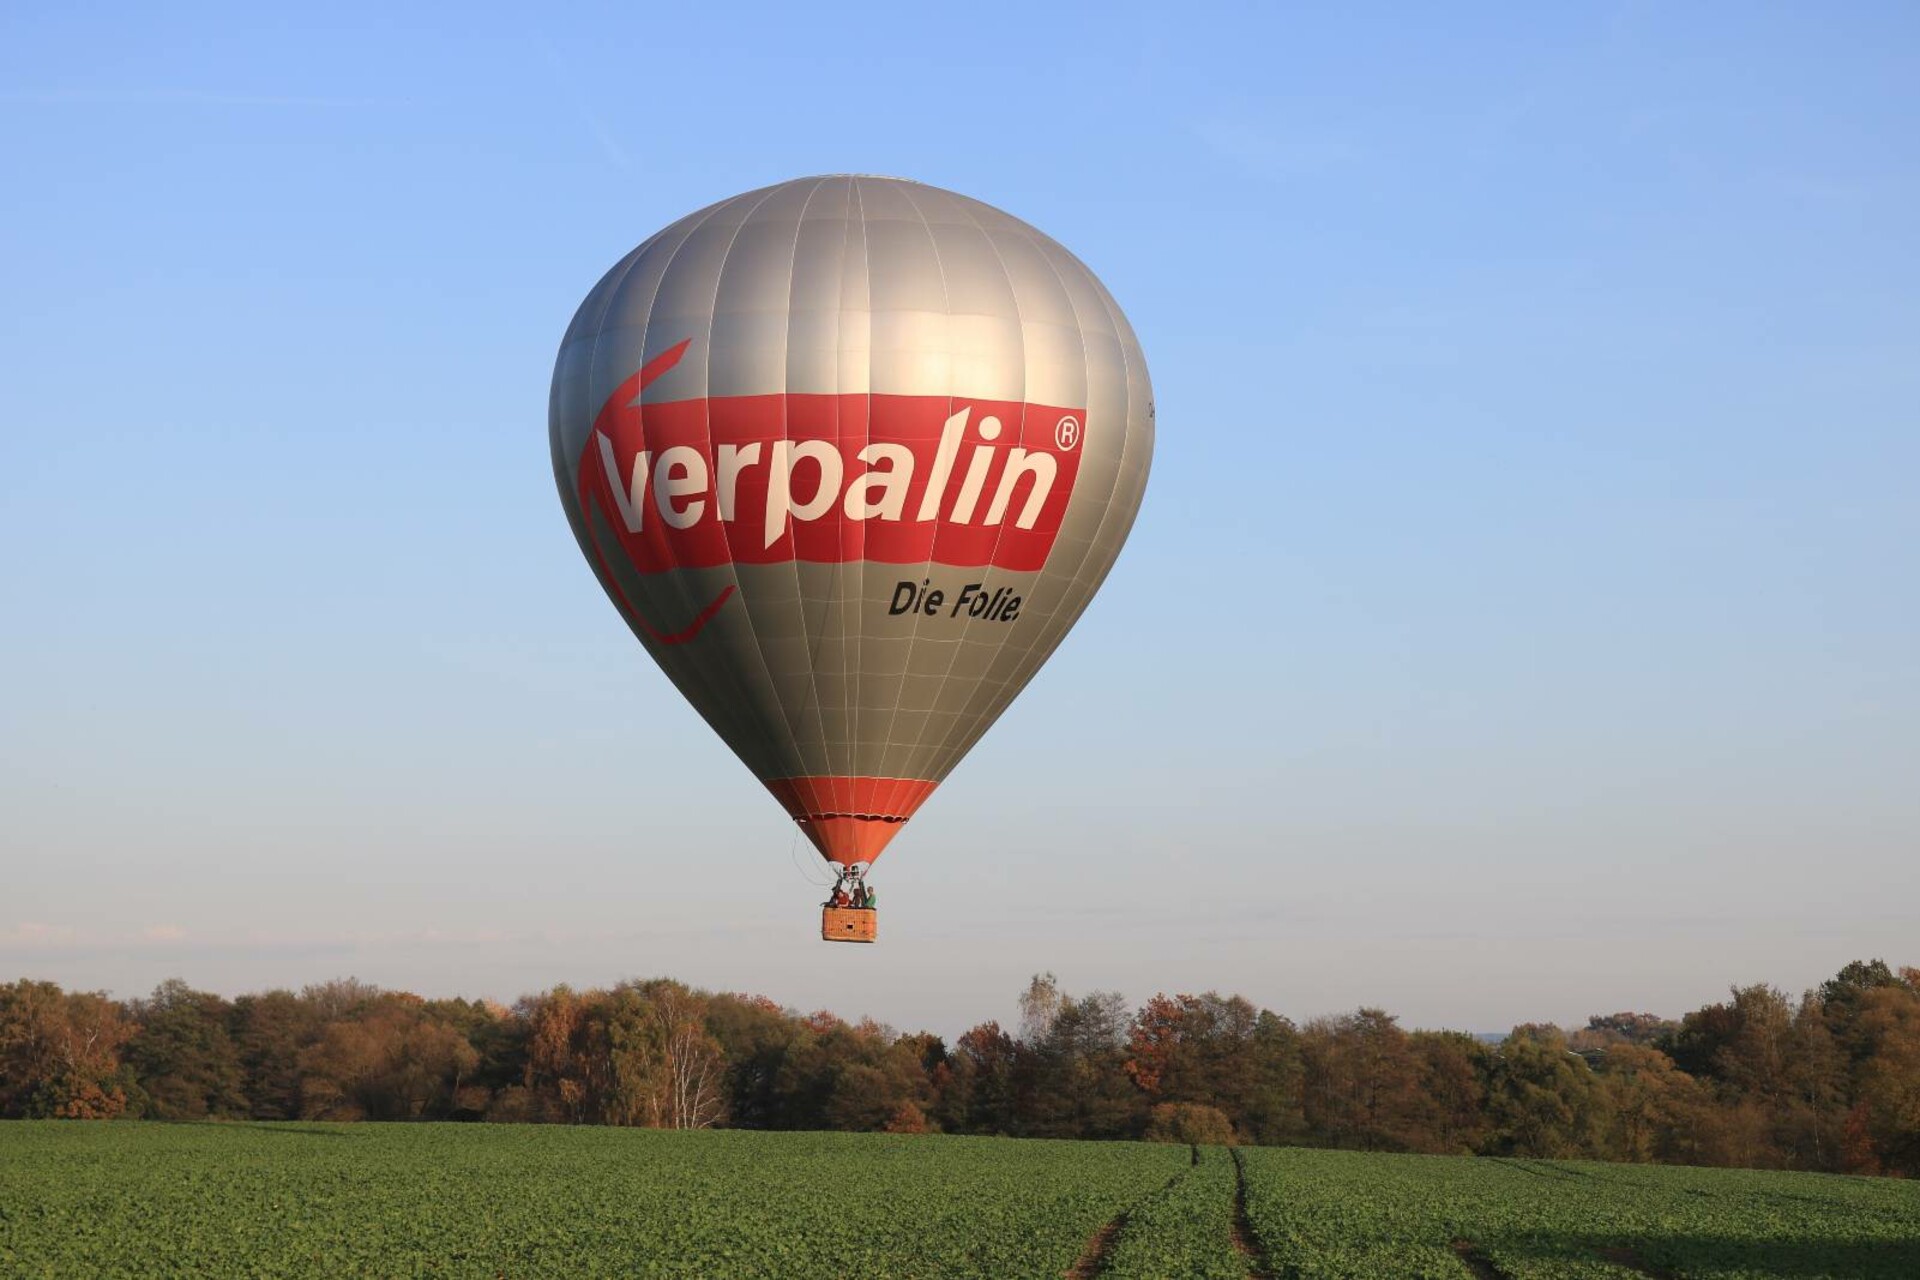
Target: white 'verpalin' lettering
<point x="681" y="480"/>
<point x="631" y="501"/>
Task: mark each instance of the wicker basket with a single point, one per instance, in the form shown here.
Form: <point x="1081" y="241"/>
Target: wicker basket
<point x="849" y="924"/>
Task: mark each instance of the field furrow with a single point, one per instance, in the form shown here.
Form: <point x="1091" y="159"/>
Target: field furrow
<point x="1185" y="1229"/>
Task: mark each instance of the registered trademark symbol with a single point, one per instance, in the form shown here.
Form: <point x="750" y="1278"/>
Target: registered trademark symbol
<point x="1066" y="433"/>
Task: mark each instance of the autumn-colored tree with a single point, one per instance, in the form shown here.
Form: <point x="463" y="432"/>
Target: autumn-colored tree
<point x="1604" y="1031"/>
<point x="556" y="1070"/>
<point x="60" y="1054"/>
<point x="1887" y="1079"/>
<point x="1809" y="1127"/>
<point x="1650" y="1103"/>
<point x="1753" y="1057"/>
<point x="1449" y="1111"/>
<point x="1829" y="1082"/>
<point x="389" y="1062"/>
<point x="1153" y="1041"/>
<point x="1777" y="1073"/>
<point x="1191" y="1123"/>
<point x="1218" y="1051"/>
<point x="1361" y="1081"/>
<point x="500" y="1041"/>
<point x="32" y="1026"/>
<point x="339" y="998"/>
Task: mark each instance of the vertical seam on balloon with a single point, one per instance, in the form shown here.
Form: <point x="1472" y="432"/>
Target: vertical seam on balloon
<point x="813" y="643"/>
<point x="685" y="674"/>
<point x="692" y="676"/>
<point x="1084" y="593"/>
<point x="694" y="672"/>
<point x="568" y="455"/>
<point x="961" y="746"/>
<point x="746" y="610"/>
<point x="949" y="758"/>
<point x="1078" y="595"/>
<point x="850" y="635"/>
<point x="852" y="688"/>
<point x="991" y="566"/>
<point x="913" y="638"/>
<point x="1129" y="343"/>
<point x="1121" y="335"/>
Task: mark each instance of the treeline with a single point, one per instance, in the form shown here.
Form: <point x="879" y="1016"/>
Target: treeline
<point x="1828" y="1082"/>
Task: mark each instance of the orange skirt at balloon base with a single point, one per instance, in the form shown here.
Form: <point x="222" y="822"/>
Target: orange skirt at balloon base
<point x="850" y="819"/>
<point x="849" y="924"/>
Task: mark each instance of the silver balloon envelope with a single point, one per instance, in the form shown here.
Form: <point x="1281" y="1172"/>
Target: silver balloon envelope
<point x="850" y="455"/>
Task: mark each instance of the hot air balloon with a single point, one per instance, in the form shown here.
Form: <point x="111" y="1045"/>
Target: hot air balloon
<point x="850" y="455"/>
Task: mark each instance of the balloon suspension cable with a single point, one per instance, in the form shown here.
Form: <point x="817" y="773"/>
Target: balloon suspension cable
<point x="805" y="874"/>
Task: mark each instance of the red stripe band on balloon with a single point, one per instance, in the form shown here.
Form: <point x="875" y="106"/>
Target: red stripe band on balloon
<point x="830" y="478"/>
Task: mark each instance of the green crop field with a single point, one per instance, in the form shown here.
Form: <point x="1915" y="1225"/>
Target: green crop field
<point x="471" y="1200"/>
<point x="1338" y="1213"/>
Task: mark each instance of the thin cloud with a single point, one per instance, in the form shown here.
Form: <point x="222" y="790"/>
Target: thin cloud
<point x="186" y="97"/>
<point x="30" y="935"/>
<point x="610" y="145"/>
<point x="1235" y="136"/>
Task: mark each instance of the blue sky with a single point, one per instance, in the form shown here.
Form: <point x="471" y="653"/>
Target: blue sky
<point x="1521" y="622"/>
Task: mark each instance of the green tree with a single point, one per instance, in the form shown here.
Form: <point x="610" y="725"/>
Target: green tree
<point x="979" y="1094"/>
<point x="1841" y="997"/>
<point x="755" y="1035"/>
<point x="269" y="1031"/>
<point x="1070" y="1078"/>
<point x="665" y="1070"/>
<point x="183" y="1056"/>
<point x="1273" y="1109"/>
<point x="1543" y="1098"/>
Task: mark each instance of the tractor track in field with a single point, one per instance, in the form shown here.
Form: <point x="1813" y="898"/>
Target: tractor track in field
<point x="1093" y="1255"/>
<point x="1259" y="1267"/>
<point x="1093" y="1258"/>
<point x="1621" y="1256"/>
<point x="1475" y="1261"/>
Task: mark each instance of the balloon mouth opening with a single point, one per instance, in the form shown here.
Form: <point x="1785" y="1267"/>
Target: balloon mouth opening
<point x="850" y="819"/>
